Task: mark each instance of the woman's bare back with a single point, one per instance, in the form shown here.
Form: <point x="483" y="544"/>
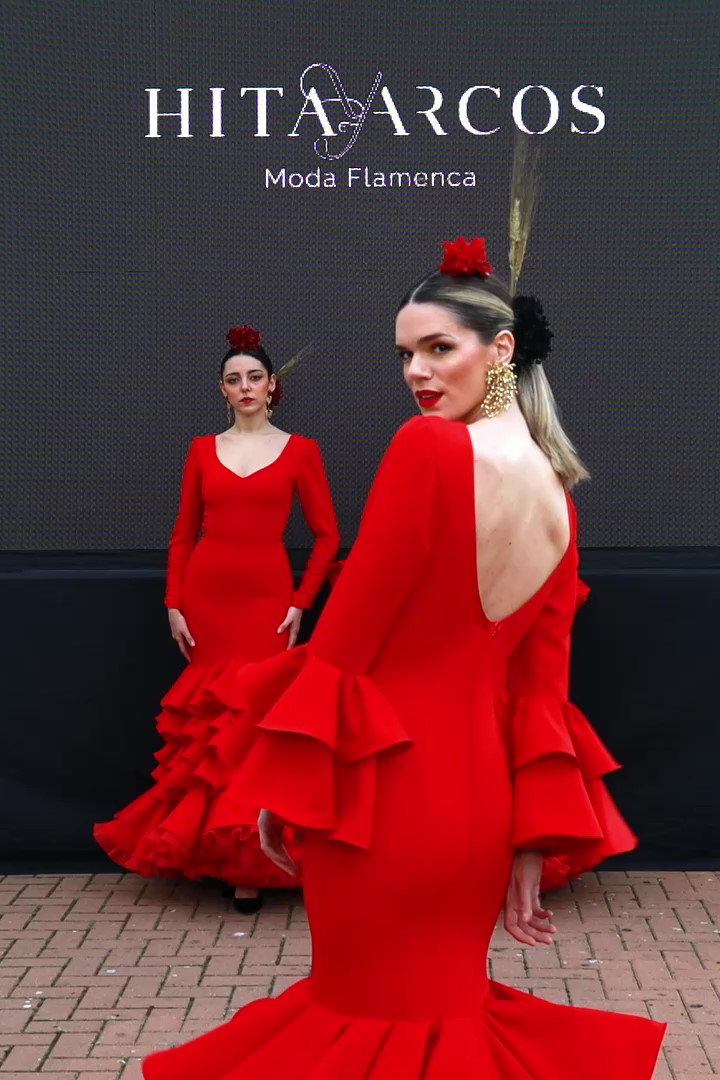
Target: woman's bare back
<point x="521" y="515"/>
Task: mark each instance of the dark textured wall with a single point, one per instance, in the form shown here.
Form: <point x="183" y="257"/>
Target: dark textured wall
<point x="126" y="258"/>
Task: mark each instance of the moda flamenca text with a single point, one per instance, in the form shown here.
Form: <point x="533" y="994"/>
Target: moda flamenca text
<point x="362" y="176"/>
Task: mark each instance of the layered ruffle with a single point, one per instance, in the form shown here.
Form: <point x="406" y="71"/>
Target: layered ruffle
<point x="513" y="1036"/>
<point x="561" y="805"/>
<point x="290" y="733"/>
<point x="304" y="742"/>
<point x="170" y="830"/>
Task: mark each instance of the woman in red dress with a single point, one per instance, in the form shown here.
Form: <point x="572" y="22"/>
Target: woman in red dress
<point x="230" y="599"/>
<point x="425" y="742"/>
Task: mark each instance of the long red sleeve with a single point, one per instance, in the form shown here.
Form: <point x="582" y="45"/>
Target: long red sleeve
<point x="185" y="531"/>
<point x="389" y="551"/>
<point x="317" y="506"/>
<point x="561" y="805"/>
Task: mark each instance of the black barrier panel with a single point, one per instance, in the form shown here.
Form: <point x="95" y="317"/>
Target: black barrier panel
<point x="87" y="656"/>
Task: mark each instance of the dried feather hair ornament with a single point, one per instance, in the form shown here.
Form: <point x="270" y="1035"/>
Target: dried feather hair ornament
<point x="468" y="258"/>
<point x="531" y="330"/>
<point x="299" y="356"/>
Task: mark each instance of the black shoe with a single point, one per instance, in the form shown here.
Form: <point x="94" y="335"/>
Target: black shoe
<point x="247" y="905"/>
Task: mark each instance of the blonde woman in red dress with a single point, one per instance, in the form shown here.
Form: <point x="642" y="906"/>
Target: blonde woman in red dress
<point x="425" y="741"/>
<point x="230" y="599"/>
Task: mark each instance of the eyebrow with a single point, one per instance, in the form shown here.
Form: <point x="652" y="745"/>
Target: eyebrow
<point x="252" y="371"/>
<point x="429" y="337"/>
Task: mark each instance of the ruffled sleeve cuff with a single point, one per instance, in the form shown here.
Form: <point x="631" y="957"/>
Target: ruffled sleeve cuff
<point x="560" y="803"/>
<point x="305" y="743"/>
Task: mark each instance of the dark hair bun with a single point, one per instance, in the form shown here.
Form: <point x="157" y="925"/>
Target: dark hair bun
<point x="532" y="332"/>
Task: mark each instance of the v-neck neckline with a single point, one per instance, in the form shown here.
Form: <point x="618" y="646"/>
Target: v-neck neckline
<point x="262" y="468"/>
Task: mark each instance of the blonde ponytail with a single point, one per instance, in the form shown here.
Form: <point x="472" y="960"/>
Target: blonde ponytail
<point x="541" y="413"/>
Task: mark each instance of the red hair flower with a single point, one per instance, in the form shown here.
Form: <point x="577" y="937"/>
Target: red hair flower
<point x="243" y="337"/>
<point x="463" y="257"/>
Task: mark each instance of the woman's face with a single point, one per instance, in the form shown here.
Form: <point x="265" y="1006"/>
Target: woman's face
<point x="445" y="364"/>
<point x="246" y="384"/>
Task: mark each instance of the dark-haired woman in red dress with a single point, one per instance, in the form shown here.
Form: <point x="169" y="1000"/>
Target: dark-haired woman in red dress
<point x="425" y="741"/>
<point x="230" y="599"/>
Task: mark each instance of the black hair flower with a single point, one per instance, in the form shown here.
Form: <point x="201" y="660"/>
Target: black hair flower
<point x="532" y="332"/>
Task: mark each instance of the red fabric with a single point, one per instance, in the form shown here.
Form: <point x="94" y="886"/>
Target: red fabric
<point x="251" y="510"/>
<point x="417" y="742"/>
<point x="234" y="587"/>
<point x="510" y="1036"/>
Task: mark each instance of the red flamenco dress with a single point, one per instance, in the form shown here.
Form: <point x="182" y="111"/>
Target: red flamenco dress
<point x="419" y="744"/>
<point x="234" y="587"/>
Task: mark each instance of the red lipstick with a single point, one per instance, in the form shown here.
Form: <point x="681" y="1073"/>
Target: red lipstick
<point x="428" y="399"/>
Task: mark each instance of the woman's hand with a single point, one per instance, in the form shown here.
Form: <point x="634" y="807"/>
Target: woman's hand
<point x="525" y="918"/>
<point x="272" y="842"/>
<point x="180" y="632"/>
<point x="291" y="623"/>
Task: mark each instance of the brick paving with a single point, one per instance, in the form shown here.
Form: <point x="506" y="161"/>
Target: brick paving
<point x="99" y="970"/>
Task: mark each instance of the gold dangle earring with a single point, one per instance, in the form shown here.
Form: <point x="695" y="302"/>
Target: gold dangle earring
<point x="230" y="412"/>
<point x="502" y="388"/>
<point x="268" y="407"/>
